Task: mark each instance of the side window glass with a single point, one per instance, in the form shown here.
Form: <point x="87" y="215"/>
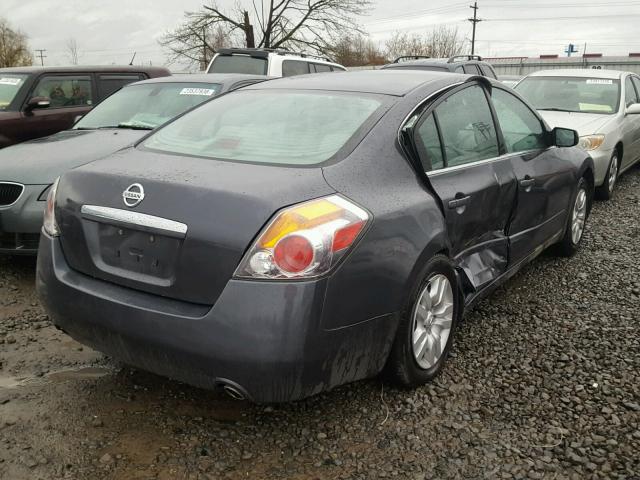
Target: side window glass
<point x="428" y="144"/>
<point x="65" y="91"/>
<point x="108" y="84"/>
<point x="471" y="70"/>
<point x="459" y="69"/>
<point x="322" y="68"/>
<point x="294" y="67"/>
<point x="636" y="82"/>
<point x="630" y="96"/>
<point x="488" y="71"/>
<point x="467" y="128"/>
<point x="521" y="129"/>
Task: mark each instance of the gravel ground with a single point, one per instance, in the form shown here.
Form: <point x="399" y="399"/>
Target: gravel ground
<point x="544" y="382"/>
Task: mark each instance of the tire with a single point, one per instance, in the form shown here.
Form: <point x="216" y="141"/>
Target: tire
<point x="578" y="215"/>
<point x="404" y="367"/>
<point x="605" y="191"/>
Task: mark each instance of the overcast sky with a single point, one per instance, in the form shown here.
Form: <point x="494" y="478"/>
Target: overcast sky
<point x="110" y="31"/>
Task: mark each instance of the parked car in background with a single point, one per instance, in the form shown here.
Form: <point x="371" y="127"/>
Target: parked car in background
<point x="274" y="63"/>
<point x="302" y="233"/>
<point x="28" y="170"/>
<point x="510" y="80"/>
<point x="602" y="105"/>
<point x="40" y="101"/>
<point x="469" y="64"/>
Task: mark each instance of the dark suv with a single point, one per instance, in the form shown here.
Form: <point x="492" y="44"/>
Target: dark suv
<point x="469" y="64"/>
<point x="40" y="101"/>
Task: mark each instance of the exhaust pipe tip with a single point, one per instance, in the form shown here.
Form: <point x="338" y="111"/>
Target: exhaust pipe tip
<point x="233" y="392"/>
<point x="232" y="389"/>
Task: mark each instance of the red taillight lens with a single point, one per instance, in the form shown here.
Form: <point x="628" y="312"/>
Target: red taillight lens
<point x="304" y="240"/>
<point x="346" y="236"/>
<point x="293" y="254"/>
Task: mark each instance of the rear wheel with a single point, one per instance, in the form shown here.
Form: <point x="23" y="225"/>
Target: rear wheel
<point x="577" y="220"/>
<point x="605" y="191"/>
<point x="425" y="333"/>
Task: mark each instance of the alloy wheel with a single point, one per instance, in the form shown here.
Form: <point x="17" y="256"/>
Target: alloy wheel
<point x="579" y="216"/>
<point x="613" y="173"/>
<point x="432" y="321"/>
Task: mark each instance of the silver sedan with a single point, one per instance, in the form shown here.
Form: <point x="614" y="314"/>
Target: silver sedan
<point x="602" y="105"/>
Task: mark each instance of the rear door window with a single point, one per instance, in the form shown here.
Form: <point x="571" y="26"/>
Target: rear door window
<point x="487" y="71"/>
<point x="65" y="91"/>
<point x="294" y="67"/>
<point x="636" y="82"/>
<point x="467" y="127"/>
<point x="109" y="83"/>
<point x="320" y="68"/>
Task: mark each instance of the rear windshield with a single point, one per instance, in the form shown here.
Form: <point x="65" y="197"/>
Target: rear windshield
<point x="239" y="64"/>
<point x="10" y="84"/>
<point x="571" y="94"/>
<point x="267" y="126"/>
<point x="147" y="105"/>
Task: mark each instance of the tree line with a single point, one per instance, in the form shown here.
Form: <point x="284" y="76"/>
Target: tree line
<point x="326" y="28"/>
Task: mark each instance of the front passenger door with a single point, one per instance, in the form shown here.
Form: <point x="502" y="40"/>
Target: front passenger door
<point x="545" y="180"/>
<point x="459" y="150"/>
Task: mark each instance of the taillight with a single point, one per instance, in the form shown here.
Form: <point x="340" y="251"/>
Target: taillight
<point x="305" y="240"/>
<point x="50" y="225"/>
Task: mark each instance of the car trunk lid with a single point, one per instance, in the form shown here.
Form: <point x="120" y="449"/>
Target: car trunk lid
<point x="185" y="238"/>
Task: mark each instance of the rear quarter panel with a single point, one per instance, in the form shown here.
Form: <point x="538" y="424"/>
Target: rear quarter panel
<point x="407" y="228"/>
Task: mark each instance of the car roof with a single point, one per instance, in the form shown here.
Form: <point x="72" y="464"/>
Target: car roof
<point x="579" y="72"/>
<point x="86" y="68"/>
<point x="396" y="82"/>
<point x="222" y="78"/>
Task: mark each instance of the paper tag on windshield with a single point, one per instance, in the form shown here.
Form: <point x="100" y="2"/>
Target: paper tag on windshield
<point x="10" y="81"/>
<point x="599" y="81"/>
<point x="205" y="92"/>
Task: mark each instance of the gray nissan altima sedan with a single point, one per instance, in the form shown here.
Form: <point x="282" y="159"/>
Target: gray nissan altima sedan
<point x="306" y="232"/>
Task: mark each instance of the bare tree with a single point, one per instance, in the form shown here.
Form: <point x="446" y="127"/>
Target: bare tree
<point x="441" y="42"/>
<point x="356" y="50"/>
<point x="196" y="41"/>
<point x="72" y="51"/>
<point x="14" y="49"/>
<point x="309" y="25"/>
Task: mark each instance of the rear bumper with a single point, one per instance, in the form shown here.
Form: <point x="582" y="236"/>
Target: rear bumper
<point x="264" y="337"/>
<point x="21" y="222"/>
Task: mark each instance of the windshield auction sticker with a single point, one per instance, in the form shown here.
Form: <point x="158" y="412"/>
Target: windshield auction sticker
<point x="10" y="81"/>
<point x="599" y="81"/>
<point x="205" y="92"/>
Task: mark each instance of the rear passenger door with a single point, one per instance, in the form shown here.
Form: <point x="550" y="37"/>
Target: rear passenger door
<point x="457" y="143"/>
<point x="545" y="180"/>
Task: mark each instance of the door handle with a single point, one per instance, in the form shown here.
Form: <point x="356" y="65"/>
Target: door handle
<point x="528" y="182"/>
<point x="459" y="202"/>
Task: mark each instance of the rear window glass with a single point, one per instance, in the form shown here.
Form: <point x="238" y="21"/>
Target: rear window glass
<point x="239" y="64"/>
<point x="10" y="84"/>
<point x="263" y="126"/>
<point x="147" y="105"/>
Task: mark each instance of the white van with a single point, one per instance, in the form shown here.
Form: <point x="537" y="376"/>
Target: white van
<point x="274" y="63"/>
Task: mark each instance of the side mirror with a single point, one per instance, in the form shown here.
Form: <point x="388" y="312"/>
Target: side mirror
<point x="38" y="102"/>
<point x="633" y="109"/>
<point x="565" y="137"/>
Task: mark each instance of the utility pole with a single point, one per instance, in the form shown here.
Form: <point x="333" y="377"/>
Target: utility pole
<point x="474" y="21"/>
<point x="41" y="55"/>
